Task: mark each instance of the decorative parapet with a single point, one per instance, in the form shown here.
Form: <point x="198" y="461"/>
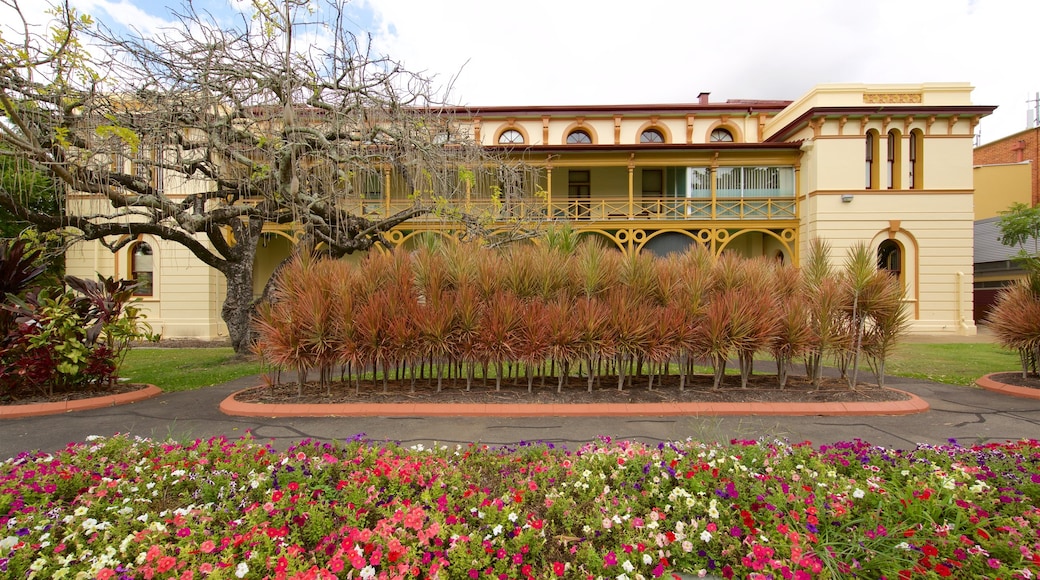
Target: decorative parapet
<point x="892" y="98"/>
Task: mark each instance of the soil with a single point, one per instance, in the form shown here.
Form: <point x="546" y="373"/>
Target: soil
<point x="1016" y="379"/>
<point x="31" y="397"/>
<point x="761" y="388"/>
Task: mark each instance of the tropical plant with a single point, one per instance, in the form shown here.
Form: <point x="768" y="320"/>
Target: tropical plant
<point x="1015" y="321"/>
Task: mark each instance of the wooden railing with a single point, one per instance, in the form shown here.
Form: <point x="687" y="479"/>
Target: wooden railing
<point x="614" y="209"/>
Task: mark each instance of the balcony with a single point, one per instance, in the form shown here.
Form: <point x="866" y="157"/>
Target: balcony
<point x="666" y="209"/>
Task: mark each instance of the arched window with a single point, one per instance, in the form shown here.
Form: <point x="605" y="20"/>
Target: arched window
<point x="871" y="155"/>
<point x="895" y="154"/>
<point x="511" y="137"/>
<point x="890" y="257"/>
<point x="721" y="136"/>
<point x="651" y="136"/>
<point x="579" y="137"/>
<point x="142" y="269"/>
<point x="915" y="160"/>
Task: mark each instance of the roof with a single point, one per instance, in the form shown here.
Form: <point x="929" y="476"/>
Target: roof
<point x="987" y="243"/>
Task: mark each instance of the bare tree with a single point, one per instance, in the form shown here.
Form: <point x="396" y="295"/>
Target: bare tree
<point x="200" y="134"/>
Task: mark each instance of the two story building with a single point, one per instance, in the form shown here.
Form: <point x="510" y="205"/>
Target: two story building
<point x="890" y="165"/>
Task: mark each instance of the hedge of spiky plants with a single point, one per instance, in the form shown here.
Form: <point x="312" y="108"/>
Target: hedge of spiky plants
<point x="1015" y="319"/>
<point x="452" y="313"/>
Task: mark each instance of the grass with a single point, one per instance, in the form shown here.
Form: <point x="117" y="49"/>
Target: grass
<point x="184" y="369"/>
<point x="952" y="364"/>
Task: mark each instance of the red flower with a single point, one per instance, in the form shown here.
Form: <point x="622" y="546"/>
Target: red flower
<point x="558" y="568"/>
<point x="930" y="550"/>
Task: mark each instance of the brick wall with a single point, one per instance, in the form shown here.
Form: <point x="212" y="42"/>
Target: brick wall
<point x="1022" y="146"/>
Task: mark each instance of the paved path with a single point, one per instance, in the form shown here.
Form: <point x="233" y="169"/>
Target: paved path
<point x="966" y="414"/>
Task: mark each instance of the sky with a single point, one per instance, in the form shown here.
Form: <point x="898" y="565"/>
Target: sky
<point x="563" y="52"/>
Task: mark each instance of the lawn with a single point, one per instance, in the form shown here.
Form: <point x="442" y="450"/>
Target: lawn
<point x="181" y="369"/>
<point x="184" y="369"/>
<point x="952" y="364"/>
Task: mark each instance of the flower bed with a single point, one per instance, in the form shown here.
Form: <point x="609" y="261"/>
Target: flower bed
<point x="133" y="508"/>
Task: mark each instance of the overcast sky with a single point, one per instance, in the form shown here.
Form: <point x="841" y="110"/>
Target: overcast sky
<point x="556" y="52"/>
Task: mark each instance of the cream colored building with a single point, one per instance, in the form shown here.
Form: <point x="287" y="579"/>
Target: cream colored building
<point x="890" y="165"/>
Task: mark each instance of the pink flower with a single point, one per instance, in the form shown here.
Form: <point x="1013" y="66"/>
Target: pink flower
<point x="559" y="568"/>
<point x="166" y="563"/>
<point x="105" y="573"/>
<point x="610" y="559"/>
<point x="208" y="546"/>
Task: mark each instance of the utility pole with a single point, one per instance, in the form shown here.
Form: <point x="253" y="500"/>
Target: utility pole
<point x="1034" y="115"/>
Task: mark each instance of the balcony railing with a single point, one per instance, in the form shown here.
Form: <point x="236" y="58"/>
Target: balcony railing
<point x="652" y="209"/>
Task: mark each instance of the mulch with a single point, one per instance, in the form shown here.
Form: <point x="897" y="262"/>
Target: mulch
<point x="1016" y="379"/>
<point x="761" y="388"/>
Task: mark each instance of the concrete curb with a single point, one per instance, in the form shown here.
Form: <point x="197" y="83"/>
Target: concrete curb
<point x="57" y="408"/>
<point x="232" y="406"/>
<point x="991" y="385"/>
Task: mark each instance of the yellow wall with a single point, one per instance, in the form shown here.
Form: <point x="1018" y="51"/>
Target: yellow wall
<point x="998" y="186"/>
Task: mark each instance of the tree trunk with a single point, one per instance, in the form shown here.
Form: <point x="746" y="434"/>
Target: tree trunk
<point x="237" y="311"/>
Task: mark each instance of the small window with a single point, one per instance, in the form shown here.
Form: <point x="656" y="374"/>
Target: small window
<point x="651" y="136"/>
<point x="142" y="269"/>
<point x="890" y="258"/>
<point x="871" y="149"/>
<point x="579" y="137"/>
<point x="915" y="159"/>
<point x="511" y="137"/>
<point x="721" y="136"/>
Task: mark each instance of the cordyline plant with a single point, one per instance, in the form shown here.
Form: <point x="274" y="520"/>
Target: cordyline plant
<point x="542" y="313"/>
<point x="1015" y="321"/>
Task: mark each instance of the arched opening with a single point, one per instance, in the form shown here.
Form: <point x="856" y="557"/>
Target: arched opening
<point x="894" y="167"/>
<point x="142" y="269"/>
<point x="916" y="159"/>
<point x="870" y="159"/>
<point x="890" y="258"/>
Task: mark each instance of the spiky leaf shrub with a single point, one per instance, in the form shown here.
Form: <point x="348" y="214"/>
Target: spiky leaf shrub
<point x="1015" y="321"/>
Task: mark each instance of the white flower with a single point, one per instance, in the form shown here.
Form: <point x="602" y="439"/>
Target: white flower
<point x="241" y="570"/>
<point x="858" y="493"/>
<point x="713" y="509"/>
<point x="513" y="517"/>
<point x="647" y="559"/>
<point x="627" y="566"/>
<point x="7" y="543"/>
<point x="497" y="529"/>
<point x="368" y="572"/>
<point x="705" y="536"/>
